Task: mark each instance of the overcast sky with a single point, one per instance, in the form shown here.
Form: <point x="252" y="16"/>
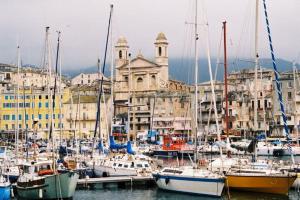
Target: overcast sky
<point x="84" y="23"/>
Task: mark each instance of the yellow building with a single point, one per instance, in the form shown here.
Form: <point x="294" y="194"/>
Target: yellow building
<point x="34" y="104"/>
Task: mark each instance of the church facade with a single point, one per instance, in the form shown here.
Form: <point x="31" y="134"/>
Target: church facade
<point x="142" y="83"/>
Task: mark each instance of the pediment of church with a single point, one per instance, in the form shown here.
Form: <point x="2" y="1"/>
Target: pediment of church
<point x="139" y="62"/>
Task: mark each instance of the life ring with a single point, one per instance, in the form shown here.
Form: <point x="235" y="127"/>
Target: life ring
<point x="45" y="172"/>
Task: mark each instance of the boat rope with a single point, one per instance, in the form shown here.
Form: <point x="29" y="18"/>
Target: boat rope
<point x="277" y="80"/>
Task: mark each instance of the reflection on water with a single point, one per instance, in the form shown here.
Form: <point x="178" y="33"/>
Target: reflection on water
<point x="143" y="193"/>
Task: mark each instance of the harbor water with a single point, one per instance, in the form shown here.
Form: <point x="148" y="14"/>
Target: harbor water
<point x="153" y="193"/>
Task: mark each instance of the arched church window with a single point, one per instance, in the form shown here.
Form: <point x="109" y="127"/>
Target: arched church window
<point x="153" y="80"/>
<point x="139" y="83"/>
<point x="159" y="51"/>
<point x="120" y="54"/>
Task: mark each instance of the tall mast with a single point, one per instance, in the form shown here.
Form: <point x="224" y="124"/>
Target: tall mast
<point x="17" y="98"/>
<point x="256" y="64"/>
<point x="225" y="80"/>
<point x="109" y="32"/>
<point x="111" y="74"/>
<point x="129" y="95"/>
<point x="196" y="77"/>
<point x="295" y="104"/>
<point x="277" y="81"/>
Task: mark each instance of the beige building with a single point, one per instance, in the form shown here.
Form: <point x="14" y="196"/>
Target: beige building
<point x="152" y="94"/>
<point x="81" y="111"/>
<point x="87" y="78"/>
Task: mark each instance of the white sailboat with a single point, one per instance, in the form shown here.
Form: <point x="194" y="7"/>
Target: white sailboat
<point x="190" y="179"/>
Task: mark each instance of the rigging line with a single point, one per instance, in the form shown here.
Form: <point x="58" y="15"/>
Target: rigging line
<point x="246" y="23"/>
<point x="55" y="81"/>
<point x="278" y="81"/>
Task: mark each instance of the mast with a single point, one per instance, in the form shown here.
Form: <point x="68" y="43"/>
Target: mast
<point x="129" y="95"/>
<point x="256" y="64"/>
<point x="277" y="80"/>
<point x="295" y="104"/>
<point x="196" y="78"/>
<point x="60" y="102"/>
<point x="17" y="98"/>
<point x="109" y="32"/>
<point x="263" y="101"/>
<point x="225" y="80"/>
<point x="111" y="73"/>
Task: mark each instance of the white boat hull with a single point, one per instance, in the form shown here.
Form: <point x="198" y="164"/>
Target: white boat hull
<point x="192" y="185"/>
<point x="101" y="171"/>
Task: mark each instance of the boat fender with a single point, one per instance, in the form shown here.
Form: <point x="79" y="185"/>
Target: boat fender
<point x="40" y="193"/>
<point x="12" y="194"/>
<point x="167" y="180"/>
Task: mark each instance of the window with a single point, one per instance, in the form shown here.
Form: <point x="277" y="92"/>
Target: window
<point x="6" y="97"/>
<point x="46" y="125"/>
<point x="46" y="96"/>
<point x="47" y="116"/>
<point x="258" y="103"/>
<point x="40" y="96"/>
<point x="290" y="84"/>
<point x="153" y="80"/>
<point x="139" y="83"/>
<point x="13" y="126"/>
<point x="40" y="116"/>
<point x="84" y="125"/>
<point x="47" y="104"/>
<point x="266" y="103"/>
<point x="53" y="116"/>
<point x="6" y="126"/>
<point x="289" y="95"/>
<point x="20" y="126"/>
<point x="26" y="117"/>
<point x="120" y="54"/>
<point x="159" y="51"/>
<point x="20" y="117"/>
<point x="13" y="117"/>
<point x="40" y="104"/>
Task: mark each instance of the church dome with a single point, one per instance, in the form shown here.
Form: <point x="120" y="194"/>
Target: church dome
<point x="122" y="41"/>
<point x="161" y="36"/>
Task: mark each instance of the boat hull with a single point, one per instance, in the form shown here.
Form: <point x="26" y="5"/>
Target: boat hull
<point x="54" y="187"/>
<point x="192" y="185"/>
<point x="5" y="192"/>
<point x="173" y="153"/>
<point x="264" y="184"/>
<point x="103" y="171"/>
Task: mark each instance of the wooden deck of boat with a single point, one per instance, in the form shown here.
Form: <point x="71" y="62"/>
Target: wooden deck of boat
<point x="121" y="179"/>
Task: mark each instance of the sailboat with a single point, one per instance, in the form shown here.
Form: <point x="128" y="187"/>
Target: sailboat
<point x="190" y="179"/>
<point x="41" y="179"/>
<point x="247" y="177"/>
